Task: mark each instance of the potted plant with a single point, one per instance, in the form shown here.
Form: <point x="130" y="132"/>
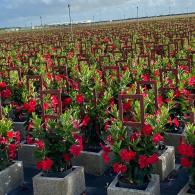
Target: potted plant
<point x="92" y="100"/>
<point x="135" y="153"/>
<point x="11" y="171"/>
<point x="57" y="141"/>
<point x="187" y="151"/>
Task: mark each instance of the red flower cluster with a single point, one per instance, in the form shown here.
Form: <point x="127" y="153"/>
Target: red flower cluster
<point x="147" y="130"/>
<point x="40" y="145"/>
<point x="105" y="154"/>
<point x="127" y="155"/>
<point x="85" y="121"/>
<point x="145" y="161"/>
<point x="186" y="150"/>
<point x="191" y="81"/>
<point x="119" y="168"/>
<point x="6" y="93"/>
<point x="30" y="106"/>
<point x="157" y="138"/>
<point x="76" y="149"/>
<point x="80" y="99"/>
<point x="45" y="164"/>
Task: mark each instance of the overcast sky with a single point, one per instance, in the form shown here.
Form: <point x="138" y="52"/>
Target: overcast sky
<point x="25" y="12"/>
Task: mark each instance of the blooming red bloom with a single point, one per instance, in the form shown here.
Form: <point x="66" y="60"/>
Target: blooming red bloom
<point x="67" y="101"/>
<point x="66" y="157"/>
<point x="45" y="164"/>
<point x="12" y="151"/>
<point x="176" y="122"/>
<point x="127" y="105"/>
<point x="143" y="163"/>
<point x="40" y="145"/>
<point x="6" y="93"/>
<point x="80" y="99"/>
<point x="2" y="85"/>
<point x="157" y="138"/>
<point x="45" y="106"/>
<point x="119" y="168"/>
<point x="145" y="77"/>
<point x="191" y="81"/>
<point x="147" y="130"/>
<point x="85" y="120"/>
<point x="152" y="159"/>
<point x="135" y="136"/>
<point x="70" y="54"/>
<point x="78" y="139"/>
<point x="186" y="150"/>
<point x="126" y="155"/>
<point x="76" y="149"/>
<point x="10" y="134"/>
<point x="105" y="157"/>
<point x="30" y="106"/>
<point x="160" y="101"/>
<point x="185" y="163"/>
<point x="29" y="139"/>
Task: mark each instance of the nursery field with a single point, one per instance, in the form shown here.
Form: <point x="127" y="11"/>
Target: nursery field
<point x="99" y="109"/>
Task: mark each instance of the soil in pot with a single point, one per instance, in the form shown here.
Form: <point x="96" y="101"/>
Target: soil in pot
<point x="174" y="129"/>
<point x="123" y="183"/>
<point x="96" y="149"/>
<point x="58" y="174"/>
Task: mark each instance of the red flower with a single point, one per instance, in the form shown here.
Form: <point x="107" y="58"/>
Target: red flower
<point x="105" y="157"/>
<point x="45" y="106"/>
<point x="191" y="81"/>
<point x="176" y="122"/>
<point x="67" y="101"/>
<point x="70" y="54"/>
<point x="40" y="145"/>
<point x="85" y="120"/>
<point x="30" y="106"/>
<point x="29" y="139"/>
<point x="186" y="150"/>
<point x="157" y="138"/>
<point x="160" y="101"/>
<point x="126" y="155"/>
<point x="143" y="163"/>
<point x="106" y="149"/>
<point x="66" y="157"/>
<point x="45" y="164"/>
<point x="2" y="85"/>
<point x="152" y="159"/>
<point x="75" y="150"/>
<point x="147" y="130"/>
<point x="6" y="93"/>
<point x="18" y="136"/>
<point x="127" y="106"/>
<point x="119" y="168"/>
<point x="185" y="163"/>
<point x="80" y="99"/>
<point x="54" y="100"/>
<point x="78" y="139"/>
<point x="10" y="134"/>
<point x="135" y="136"/>
<point x="12" y="151"/>
<point x="145" y="77"/>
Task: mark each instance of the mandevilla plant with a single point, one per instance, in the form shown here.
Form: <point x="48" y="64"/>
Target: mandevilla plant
<point x="187" y="151"/>
<point x="9" y="143"/>
<point x="57" y="141"/>
<point x="135" y="150"/>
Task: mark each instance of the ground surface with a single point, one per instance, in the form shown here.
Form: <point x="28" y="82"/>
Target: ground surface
<point x="98" y="185"/>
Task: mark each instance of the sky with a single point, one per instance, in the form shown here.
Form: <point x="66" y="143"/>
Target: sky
<point x="28" y="12"/>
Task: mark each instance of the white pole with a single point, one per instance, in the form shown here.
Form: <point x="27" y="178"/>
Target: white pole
<point x="70" y="20"/>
